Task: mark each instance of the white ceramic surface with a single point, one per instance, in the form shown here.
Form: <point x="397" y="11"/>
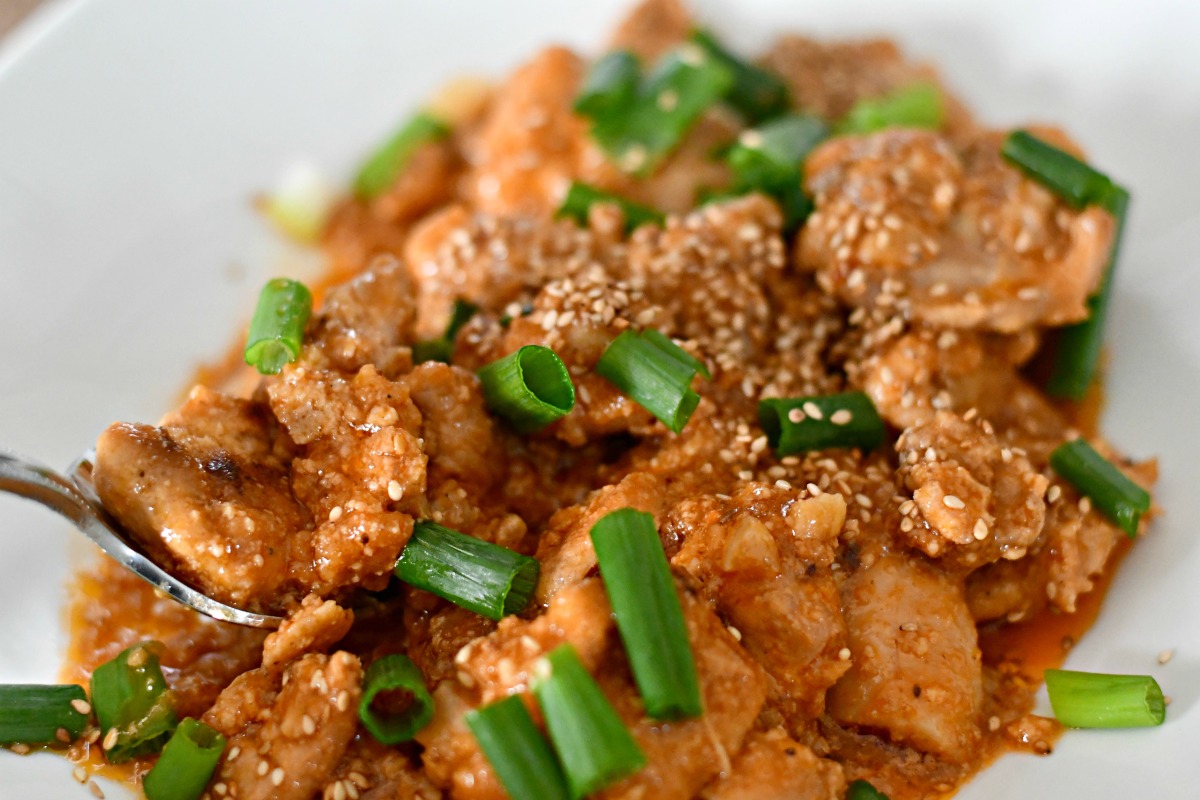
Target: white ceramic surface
<point x="134" y="133"/>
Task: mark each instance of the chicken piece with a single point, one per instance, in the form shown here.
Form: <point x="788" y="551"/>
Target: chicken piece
<point x="372" y="771"/>
<point x="764" y="555"/>
<point x="426" y="182"/>
<point x="494" y="262"/>
<point x="207" y="495"/>
<point x="291" y="736"/>
<point x="916" y="671"/>
<point x="1063" y="564"/>
<point x="455" y="427"/>
<point x="685" y="755"/>
<point x="973" y="500"/>
<point x="313" y="627"/>
<point x="368" y="320"/>
<point x="772" y="766"/>
<point x="500" y="664"/>
<point x="903" y="222"/>
<point x="435" y="637"/>
<point x="565" y="548"/>
<point x="360" y="472"/>
<point x="707" y="272"/>
<point x="829" y="78"/>
<point x="651" y="29"/>
<point x="523" y="157"/>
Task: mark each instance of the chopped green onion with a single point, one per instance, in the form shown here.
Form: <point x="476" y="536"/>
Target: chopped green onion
<point x="301" y="203"/>
<point x="518" y="751"/>
<point x="388" y="674"/>
<point x="490" y="580"/>
<point x="609" y="85"/>
<point x="581" y="197"/>
<point x="861" y="790"/>
<point x="770" y="159"/>
<point x="1092" y="700"/>
<point x="187" y="763"/>
<point x="635" y="573"/>
<point x="133" y="706"/>
<point x="1117" y="497"/>
<point x="641" y="132"/>
<point x="592" y="742"/>
<point x="442" y="349"/>
<point x="756" y="93"/>
<point x="656" y="379"/>
<point x="385" y="164"/>
<point x="277" y="328"/>
<point x="1075" y="182"/>
<point x="31" y="714"/>
<point x="801" y="424"/>
<point x="916" y="106"/>
<point x="529" y="388"/>
<point x="668" y="347"/>
<point x="1079" y="185"/>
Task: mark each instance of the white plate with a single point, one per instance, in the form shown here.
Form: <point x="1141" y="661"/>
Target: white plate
<point x="133" y="135"/>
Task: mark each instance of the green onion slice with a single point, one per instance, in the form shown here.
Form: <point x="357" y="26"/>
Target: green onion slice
<point x="441" y="349"/>
<point x="1115" y="495"/>
<point x="490" y="580"/>
<point x="1074" y="181"/>
<point x="277" y="329"/>
<point x="518" y="751"/>
<point x="668" y="347"/>
<point x="187" y="763"/>
<point x="770" y="159"/>
<point x="635" y="573"/>
<point x="31" y="714"/>
<point x="657" y="379"/>
<point x="529" y="388"/>
<point x="609" y="86"/>
<point x="640" y="133"/>
<point x="756" y="93"/>
<point x="801" y="424"/>
<point x="592" y="742"/>
<point x="385" y="164"/>
<point x="133" y="706"/>
<point x="916" y="106"/>
<point x="1093" y="700"/>
<point x="391" y="673"/>
<point x="581" y="197"/>
<point x="861" y="790"/>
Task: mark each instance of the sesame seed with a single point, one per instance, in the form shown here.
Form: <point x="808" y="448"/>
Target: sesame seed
<point x="1054" y="493"/>
<point x="343" y="700"/>
<point x="862" y="500"/>
<point x="795" y="416"/>
<point x="80" y="774"/>
<point x="1085" y="505"/>
<point x="734" y="632"/>
<point x="395" y="490"/>
<point x="263" y="768"/>
<point x="844" y="654"/>
<point x="981" y="530"/>
<point x="751" y="138"/>
<point x="842" y="416"/>
<point x="952" y="501"/>
<point x="63" y="735"/>
<point x="812" y="410"/>
<point x="335" y="513"/>
<point x="95" y="789"/>
<point x="906" y="524"/>
<point x="138" y="657"/>
<point x="110" y="739"/>
<point x="277" y="776"/>
<point x="82" y="706"/>
<point x="308" y="725"/>
<point x="993" y="724"/>
<point x="813" y="489"/>
<point x="339" y="791"/>
<point x="1165" y="656"/>
<point x="20" y="749"/>
<point x="667" y="100"/>
<point x="908" y="627"/>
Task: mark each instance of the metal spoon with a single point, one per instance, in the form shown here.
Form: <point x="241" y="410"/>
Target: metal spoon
<point x="74" y="496"/>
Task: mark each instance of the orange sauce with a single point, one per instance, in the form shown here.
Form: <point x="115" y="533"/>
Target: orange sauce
<point x="1043" y="641"/>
